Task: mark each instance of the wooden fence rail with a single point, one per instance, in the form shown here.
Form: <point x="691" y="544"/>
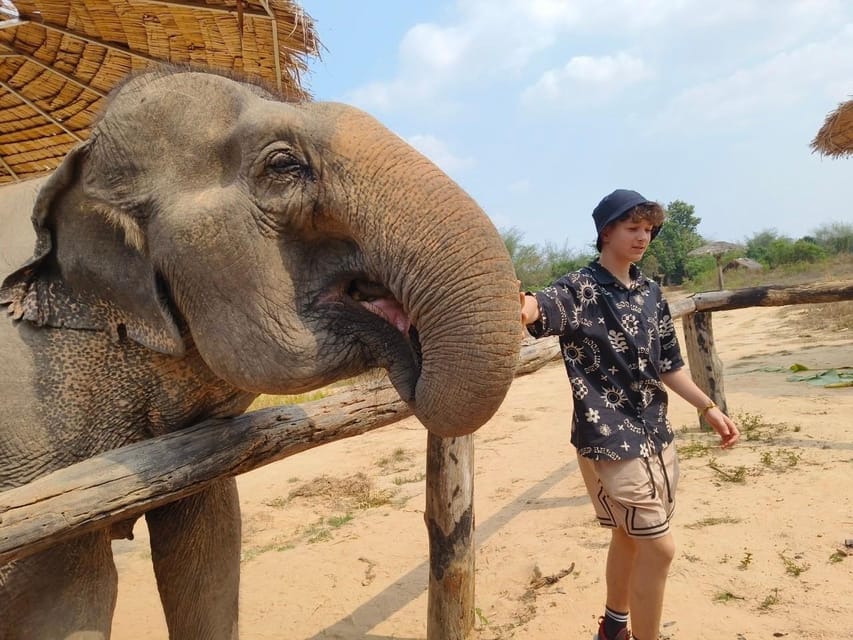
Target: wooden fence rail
<point x="127" y="482"/>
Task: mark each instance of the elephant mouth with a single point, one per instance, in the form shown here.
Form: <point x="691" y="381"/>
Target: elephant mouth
<point x="377" y="299"/>
<point x="394" y="343"/>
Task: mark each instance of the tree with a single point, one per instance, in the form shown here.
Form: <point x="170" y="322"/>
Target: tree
<point x="835" y="237"/>
<point x="668" y="252"/>
<point x="537" y="266"/>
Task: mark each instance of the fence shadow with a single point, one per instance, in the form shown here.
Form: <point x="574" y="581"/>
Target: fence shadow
<point x="411" y="585"/>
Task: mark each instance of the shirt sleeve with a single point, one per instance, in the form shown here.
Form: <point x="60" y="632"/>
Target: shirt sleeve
<point x="557" y="315"/>
<point x="670" y="352"/>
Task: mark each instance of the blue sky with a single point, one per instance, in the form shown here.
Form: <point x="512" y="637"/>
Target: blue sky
<point x="538" y="108"/>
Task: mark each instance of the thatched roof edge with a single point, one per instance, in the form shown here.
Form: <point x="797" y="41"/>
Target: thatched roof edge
<point x="835" y="138"/>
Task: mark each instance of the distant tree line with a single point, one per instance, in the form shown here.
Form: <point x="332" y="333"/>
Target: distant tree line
<point x="667" y="258"/>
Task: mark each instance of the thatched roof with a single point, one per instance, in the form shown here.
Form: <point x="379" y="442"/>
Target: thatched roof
<point x="59" y="59"/>
<point x="743" y="263"/>
<point x="835" y="137"/>
<point x="717" y="248"/>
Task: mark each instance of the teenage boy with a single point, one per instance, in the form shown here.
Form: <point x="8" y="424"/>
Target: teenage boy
<point x="620" y="348"/>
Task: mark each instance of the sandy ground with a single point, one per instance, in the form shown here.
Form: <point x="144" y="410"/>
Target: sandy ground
<point x="757" y="558"/>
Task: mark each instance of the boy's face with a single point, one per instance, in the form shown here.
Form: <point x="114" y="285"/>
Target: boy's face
<point x="626" y="240"/>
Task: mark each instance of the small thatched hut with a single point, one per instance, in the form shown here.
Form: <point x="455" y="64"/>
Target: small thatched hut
<point x="747" y="264"/>
<point x="835" y="137"/>
<point x="59" y="59"/>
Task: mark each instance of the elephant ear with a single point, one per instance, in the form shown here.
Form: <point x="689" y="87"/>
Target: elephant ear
<point x="89" y="269"/>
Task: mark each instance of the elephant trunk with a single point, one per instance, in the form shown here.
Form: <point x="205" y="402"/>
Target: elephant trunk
<point x="444" y="261"/>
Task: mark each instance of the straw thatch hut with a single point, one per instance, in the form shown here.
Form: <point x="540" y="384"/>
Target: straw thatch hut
<point x="835" y="137"/>
<point x="746" y="264"/>
<point x="58" y="59"/>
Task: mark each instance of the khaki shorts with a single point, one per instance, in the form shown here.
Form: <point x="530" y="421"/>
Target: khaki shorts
<point x="637" y="495"/>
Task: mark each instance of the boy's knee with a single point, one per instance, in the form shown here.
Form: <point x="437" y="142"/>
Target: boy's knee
<point x="661" y="549"/>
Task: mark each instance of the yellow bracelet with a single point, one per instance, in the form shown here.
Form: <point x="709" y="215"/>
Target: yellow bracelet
<point x="706" y="409"/>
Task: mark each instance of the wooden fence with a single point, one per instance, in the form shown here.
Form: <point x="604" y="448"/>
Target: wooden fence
<point x="127" y="482"/>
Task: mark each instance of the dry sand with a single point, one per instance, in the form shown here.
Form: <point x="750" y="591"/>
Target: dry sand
<point x="756" y="559"/>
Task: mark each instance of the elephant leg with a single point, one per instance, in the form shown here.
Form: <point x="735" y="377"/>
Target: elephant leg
<point x="65" y="592"/>
<point x="195" y="547"/>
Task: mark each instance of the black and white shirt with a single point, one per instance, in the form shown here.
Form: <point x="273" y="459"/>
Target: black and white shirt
<point x="616" y="341"/>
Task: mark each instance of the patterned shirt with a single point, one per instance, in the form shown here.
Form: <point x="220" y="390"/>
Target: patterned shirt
<point x="615" y="341"/>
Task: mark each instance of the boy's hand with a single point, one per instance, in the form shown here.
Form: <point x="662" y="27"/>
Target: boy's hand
<point x="724" y="426"/>
<point x="529" y="309"/>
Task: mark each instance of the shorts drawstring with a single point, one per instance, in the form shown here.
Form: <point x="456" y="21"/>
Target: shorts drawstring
<point x="665" y="475"/>
<point x="652" y="477"/>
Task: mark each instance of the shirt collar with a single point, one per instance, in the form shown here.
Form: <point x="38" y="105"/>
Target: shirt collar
<point x="604" y="277"/>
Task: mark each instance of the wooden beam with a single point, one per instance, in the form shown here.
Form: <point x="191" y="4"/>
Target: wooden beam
<point x="706" y="368"/>
<point x="275" y="45"/>
<point x="449" y="518"/>
<point x="42" y="113"/>
<point x="11" y="23"/>
<point x="766" y="296"/>
<point x="9" y="170"/>
<point x="126" y="482"/>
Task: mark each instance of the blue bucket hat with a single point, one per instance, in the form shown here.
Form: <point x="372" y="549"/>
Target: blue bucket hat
<point x="613" y="206"/>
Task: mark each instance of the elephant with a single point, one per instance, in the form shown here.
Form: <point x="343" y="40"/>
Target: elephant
<point x="207" y="243"/>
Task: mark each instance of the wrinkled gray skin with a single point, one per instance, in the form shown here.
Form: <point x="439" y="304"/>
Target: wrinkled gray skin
<point x="205" y="245"/>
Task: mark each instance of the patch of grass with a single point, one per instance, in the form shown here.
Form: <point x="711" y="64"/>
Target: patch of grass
<point x="251" y="553"/>
<point x="836" y="267"/>
<point x="318" y="533"/>
<point x="483" y="620"/>
<point x="781" y="460"/>
<point x="728" y="474"/>
<point x="267" y="401"/>
<point x="410" y="479"/>
<point x="793" y="568"/>
<point x="394" y="459"/>
<point x="710" y="522"/>
<point x="745" y="561"/>
<point x="770" y="600"/>
<point x="754" y="427"/>
<point x="690" y="558"/>
<point x="276" y="503"/>
<point x="831" y="316"/>
<point x="338" y="521"/>
<point x="351" y="493"/>
<point x="726" y="596"/>
<point x="693" y="449"/>
<point x="837" y="556"/>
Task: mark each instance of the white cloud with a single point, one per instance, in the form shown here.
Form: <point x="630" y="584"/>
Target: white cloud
<point x="439" y="152"/>
<point x="586" y="80"/>
<point x="770" y="86"/>
<point x="487" y="43"/>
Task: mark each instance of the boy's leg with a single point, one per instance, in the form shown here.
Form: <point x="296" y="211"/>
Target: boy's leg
<point x="648" y="582"/>
<point x="637" y="498"/>
<point x="620" y="565"/>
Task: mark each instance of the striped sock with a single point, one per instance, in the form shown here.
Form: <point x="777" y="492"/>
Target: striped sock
<point x="614" y="622"/>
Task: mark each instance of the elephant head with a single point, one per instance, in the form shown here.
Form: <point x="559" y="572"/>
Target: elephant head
<point x="293" y="244"/>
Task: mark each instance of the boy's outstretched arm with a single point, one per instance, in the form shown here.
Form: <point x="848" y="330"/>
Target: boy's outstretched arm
<point x="681" y="382"/>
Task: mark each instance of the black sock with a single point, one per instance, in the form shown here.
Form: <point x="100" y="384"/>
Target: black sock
<point x="614" y="622"/>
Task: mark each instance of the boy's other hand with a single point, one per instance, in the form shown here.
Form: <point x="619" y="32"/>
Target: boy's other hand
<point x="724" y="426"/>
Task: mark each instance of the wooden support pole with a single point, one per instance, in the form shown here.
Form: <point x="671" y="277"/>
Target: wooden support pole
<point x="706" y="369"/>
<point x="449" y="519"/>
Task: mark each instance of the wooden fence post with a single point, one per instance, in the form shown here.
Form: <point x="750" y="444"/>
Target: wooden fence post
<point x="706" y="369"/>
<point x="449" y="519"/>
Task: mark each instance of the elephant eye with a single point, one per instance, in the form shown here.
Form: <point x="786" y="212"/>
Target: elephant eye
<point x="282" y="163"/>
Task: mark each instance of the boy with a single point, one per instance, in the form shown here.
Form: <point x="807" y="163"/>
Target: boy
<point x="619" y="344"/>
